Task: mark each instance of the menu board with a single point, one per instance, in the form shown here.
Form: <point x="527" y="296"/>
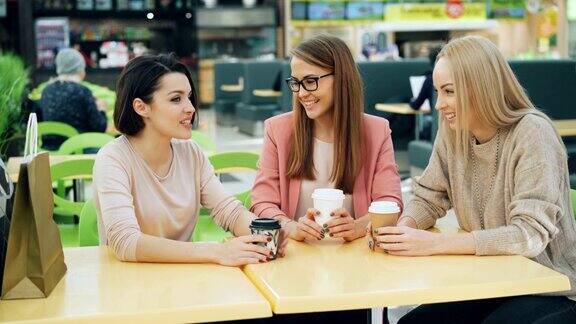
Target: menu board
<point x="52" y="34"/>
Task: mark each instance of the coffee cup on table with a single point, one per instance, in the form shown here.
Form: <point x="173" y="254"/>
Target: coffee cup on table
<point x="383" y="213"/>
<point x="269" y="227"/>
<point x="326" y="201"/>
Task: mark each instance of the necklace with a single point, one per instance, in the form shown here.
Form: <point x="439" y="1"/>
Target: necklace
<point x="492" y="179"/>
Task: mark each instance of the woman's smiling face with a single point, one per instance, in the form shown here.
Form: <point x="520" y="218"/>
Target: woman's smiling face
<point x="320" y="101"/>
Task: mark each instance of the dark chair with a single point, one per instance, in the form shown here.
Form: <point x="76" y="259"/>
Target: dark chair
<point x="419" y="152"/>
<point x="224" y="101"/>
<point x="388" y="82"/>
<point x="550" y="85"/>
<point x="253" y="110"/>
<point x="286" y="99"/>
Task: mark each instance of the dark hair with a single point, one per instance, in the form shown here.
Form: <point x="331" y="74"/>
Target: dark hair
<point x="140" y="78"/>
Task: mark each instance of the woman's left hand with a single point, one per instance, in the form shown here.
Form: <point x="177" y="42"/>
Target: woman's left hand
<point x="406" y="241"/>
<point x="342" y="225"/>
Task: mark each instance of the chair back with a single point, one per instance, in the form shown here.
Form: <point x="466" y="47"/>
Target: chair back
<point x="227" y="73"/>
<point x="204" y="141"/>
<point x="72" y="169"/>
<point x="229" y="160"/>
<point x="55" y="128"/>
<point x="206" y="229"/>
<point x="88" y="227"/>
<point x="389" y="82"/>
<point x="77" y="144"/>
<point x="286" y="102"/>
<point x="549" y="84"/>
<point x="261" y="75"/>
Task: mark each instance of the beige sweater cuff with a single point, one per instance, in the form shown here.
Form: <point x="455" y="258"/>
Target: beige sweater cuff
<point x="420" y="215"/>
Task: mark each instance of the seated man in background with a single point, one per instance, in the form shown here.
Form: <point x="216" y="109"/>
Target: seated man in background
<point x="66" y="100"/>
<point x="426" y="93"/>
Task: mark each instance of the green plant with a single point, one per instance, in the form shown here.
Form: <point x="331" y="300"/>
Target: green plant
<point x="13" y="82"/>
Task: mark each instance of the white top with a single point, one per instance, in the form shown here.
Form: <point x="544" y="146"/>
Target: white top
<point x="323" y="157"/>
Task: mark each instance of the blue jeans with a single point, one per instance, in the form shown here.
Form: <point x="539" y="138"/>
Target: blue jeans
<point x="508" y="310"/>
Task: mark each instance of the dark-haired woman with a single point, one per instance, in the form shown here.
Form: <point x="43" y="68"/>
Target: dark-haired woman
<point x="326" y="141"/>
<point x="151" y="181"/>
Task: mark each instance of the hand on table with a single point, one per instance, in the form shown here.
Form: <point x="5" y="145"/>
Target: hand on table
<point x="404" y="240"/>
<point x="242" y="250"/>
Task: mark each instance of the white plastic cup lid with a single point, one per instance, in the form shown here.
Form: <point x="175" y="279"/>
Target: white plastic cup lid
<point x="384" y="207"/>
<point x="328" y="194"/>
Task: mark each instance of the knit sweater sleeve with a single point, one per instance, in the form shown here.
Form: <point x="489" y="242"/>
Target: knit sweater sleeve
<point x="538" y="167"/>
<point x="430" y="200"/>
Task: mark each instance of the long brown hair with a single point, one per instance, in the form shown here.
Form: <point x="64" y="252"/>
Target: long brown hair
<point x="332" y="54"/>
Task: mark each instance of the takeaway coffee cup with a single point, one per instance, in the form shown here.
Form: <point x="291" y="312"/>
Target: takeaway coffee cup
<point x="326" y="201"/>
<point x="269" y="227"/>
<point x="383" y="213"/>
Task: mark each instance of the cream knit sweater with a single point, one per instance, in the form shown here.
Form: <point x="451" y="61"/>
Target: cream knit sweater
<point x="528" y="211"/>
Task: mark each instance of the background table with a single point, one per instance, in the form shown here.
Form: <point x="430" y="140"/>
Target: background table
<point x="100" y="289"/>
<point x="267" y="93"/>
<point x="404" y="109"/>
<point x="566" y="127"/>
<point x="13" y="166"/>
<point x="232" y="87"/>
<point x="330" y="276"/>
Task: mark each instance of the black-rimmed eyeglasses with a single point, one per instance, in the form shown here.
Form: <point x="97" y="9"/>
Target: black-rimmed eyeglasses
<point x="308" y="83"/>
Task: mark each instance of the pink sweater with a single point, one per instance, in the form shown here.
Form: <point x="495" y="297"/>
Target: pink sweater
<point x="131" y="199"/>
<point x="276" y="194"/>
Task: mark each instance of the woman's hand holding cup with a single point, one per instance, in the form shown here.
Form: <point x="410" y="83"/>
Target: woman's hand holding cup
<point x="306" y="227"/>
<point x="382" y="214"/>
<point x="342" y="225"/>
<point x="243" y="250"/>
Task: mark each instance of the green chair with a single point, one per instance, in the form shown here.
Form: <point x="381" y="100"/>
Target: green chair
<point x="55" y="128"/>
<point x="204" y="141"/>
<point x="206" y="228"/>
<point x="60" y="129"/>
<point x="77" y="144"/>
<point x="88" y="227"/>
<point x="64" y="209"/>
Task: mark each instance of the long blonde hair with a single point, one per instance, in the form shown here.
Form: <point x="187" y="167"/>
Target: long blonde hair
<point x="485" y="86"/>
<point x="332" y="54"/>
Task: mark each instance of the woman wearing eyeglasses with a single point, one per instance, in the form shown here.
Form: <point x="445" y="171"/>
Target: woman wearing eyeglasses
<point x="325" y="142"/>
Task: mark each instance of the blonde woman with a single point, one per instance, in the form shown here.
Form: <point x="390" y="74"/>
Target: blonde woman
<point x="500" y="164"/>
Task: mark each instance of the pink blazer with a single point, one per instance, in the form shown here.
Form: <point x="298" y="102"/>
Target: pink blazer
<point x="274" y="193"/>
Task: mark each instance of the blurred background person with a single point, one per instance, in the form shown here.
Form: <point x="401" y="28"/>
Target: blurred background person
<point x="66" y="100"/>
